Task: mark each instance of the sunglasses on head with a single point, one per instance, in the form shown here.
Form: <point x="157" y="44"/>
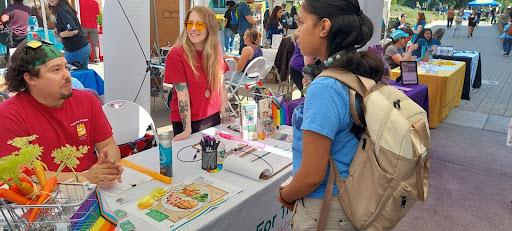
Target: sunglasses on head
<point x="35" y="44"/>
<point x="199" y="25"/>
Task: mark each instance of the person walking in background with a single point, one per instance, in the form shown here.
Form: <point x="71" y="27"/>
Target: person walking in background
<point x="458" y="22"/>
<point x="493" y="15"/>
<point x="15" y="18"/>
<point x="450" y="15"/>
<point x="472" y="21"/>
<point x="76" y="46"/>
<point x="285" y="18"/>
<point x="507" y="38"/>
<point x="274" y="24"/>
<point x="246" y="20"/>
<point x="89" y="12"/>
<point x="420" y="26"/>
<point x="229" y="29"/>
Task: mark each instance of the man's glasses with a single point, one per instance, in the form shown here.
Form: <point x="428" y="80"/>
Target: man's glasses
<point x="200" y="26"/>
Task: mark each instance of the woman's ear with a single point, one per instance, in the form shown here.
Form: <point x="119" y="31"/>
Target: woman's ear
<point x="326" y="27"/>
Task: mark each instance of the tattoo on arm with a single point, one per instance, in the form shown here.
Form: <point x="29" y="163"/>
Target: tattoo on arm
<point x="181" y="86"/>
<point x="184" y="111"/>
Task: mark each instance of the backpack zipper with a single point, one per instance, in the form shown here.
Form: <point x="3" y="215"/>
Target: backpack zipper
<point x="404" y="201"/>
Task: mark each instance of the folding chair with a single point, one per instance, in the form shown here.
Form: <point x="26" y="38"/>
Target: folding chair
<point x="232" y="69"/>
<point x="129" y="121"/>
<point x="249" y="78"/>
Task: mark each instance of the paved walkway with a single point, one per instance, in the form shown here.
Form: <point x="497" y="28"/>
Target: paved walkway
<point x="495" y="95"/>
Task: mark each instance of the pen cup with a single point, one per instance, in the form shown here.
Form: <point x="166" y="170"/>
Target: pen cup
<point x="209" y="159"/>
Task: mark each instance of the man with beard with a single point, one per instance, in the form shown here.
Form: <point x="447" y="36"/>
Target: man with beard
<point x="46" y="105"/>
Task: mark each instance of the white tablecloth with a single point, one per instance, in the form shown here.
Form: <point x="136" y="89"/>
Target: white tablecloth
<point x="255" y="208"/>
<point x="474" y="62"/>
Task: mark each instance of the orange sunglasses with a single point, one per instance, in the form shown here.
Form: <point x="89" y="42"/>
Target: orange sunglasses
<point x="199" y="25"/>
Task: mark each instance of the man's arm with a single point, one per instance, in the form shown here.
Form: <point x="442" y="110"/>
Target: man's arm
<point x="111" y="147"/>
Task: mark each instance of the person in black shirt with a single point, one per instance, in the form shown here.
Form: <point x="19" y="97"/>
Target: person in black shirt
<point x="230" y="30"/>
<point x="76" y="47"/>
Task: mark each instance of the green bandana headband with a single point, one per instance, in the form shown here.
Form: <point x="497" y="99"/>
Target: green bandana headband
<point x="50" y="51"/>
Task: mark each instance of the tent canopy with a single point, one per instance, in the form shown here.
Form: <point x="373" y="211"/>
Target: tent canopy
<point x="476" y="3"/>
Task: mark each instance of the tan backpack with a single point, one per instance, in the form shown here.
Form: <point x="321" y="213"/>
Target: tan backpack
<point x="389" y="171"/>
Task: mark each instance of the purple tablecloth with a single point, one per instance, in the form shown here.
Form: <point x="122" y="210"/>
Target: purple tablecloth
<point x="418" y="94"/>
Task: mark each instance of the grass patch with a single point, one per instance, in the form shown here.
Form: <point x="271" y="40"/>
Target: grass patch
<point x="412" y="15"/>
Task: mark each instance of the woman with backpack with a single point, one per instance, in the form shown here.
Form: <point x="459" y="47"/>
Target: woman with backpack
<point x="76" y="46"/>
<point x="507" y="38"/>
<point x="331" y="31"/>
<point x="274" y="25"/>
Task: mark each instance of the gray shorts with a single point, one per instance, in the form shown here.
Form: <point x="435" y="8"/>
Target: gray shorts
<point x="92" y="34"/>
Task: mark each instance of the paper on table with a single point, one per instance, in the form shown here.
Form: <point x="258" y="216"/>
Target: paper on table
<point x="130" y="179"/>
<point x="245" y="167"/>
<point x="256" y="167"/>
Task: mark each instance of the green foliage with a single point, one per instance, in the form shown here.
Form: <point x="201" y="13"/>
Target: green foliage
<point x="67" y="156"/>
<point x="10" y="166"/>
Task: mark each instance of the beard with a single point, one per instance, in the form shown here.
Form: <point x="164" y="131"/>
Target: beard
<point x="66" y="96"/>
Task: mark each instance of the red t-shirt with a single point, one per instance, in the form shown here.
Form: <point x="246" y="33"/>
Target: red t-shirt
<point x="79" y="121"/>
<point x="89" y="11"/>
<point x="178" y="70"/>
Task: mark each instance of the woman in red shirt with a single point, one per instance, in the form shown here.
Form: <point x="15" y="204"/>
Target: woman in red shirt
<point x="196" y="68"/>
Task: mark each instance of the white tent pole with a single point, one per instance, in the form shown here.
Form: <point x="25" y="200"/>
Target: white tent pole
<point x="45" y="23"/>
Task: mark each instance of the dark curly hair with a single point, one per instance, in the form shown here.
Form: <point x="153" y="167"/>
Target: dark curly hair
<point x="350" y="30"/>
<point x="21" y="62"/>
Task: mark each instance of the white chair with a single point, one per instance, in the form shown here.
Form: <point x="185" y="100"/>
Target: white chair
<point x="232" y="69"/>
<point x="249" y="78"/>
<point x="129" y="121"/>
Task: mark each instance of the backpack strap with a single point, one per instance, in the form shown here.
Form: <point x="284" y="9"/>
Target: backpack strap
<point x="424" y="160"/>
<point x="326" y="203"/>
<point x="356" y="86"/>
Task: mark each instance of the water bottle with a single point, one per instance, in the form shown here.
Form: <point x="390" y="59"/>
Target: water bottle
<point x="221" y="155"/>
<point x="165" y="147"/>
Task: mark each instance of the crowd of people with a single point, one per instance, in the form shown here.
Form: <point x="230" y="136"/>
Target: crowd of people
<point x="74" y="34"/>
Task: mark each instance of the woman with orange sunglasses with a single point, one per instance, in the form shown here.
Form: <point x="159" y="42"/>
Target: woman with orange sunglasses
<point x="196" y="68"/>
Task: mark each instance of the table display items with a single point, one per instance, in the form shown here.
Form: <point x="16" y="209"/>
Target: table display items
<point x="165" y="153"/>
<point x="209" y="153"/>
<point x="175" y="206"/>
<point x="29" y="200"/>
<point x="249" y="120"/>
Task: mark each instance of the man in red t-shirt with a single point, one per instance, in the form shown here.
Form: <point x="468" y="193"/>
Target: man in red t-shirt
<point x="47" y="106"/>
<point x="89" y="12"/>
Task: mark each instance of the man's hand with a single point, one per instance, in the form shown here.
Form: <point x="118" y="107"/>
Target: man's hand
<point x="105" y="172"/>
